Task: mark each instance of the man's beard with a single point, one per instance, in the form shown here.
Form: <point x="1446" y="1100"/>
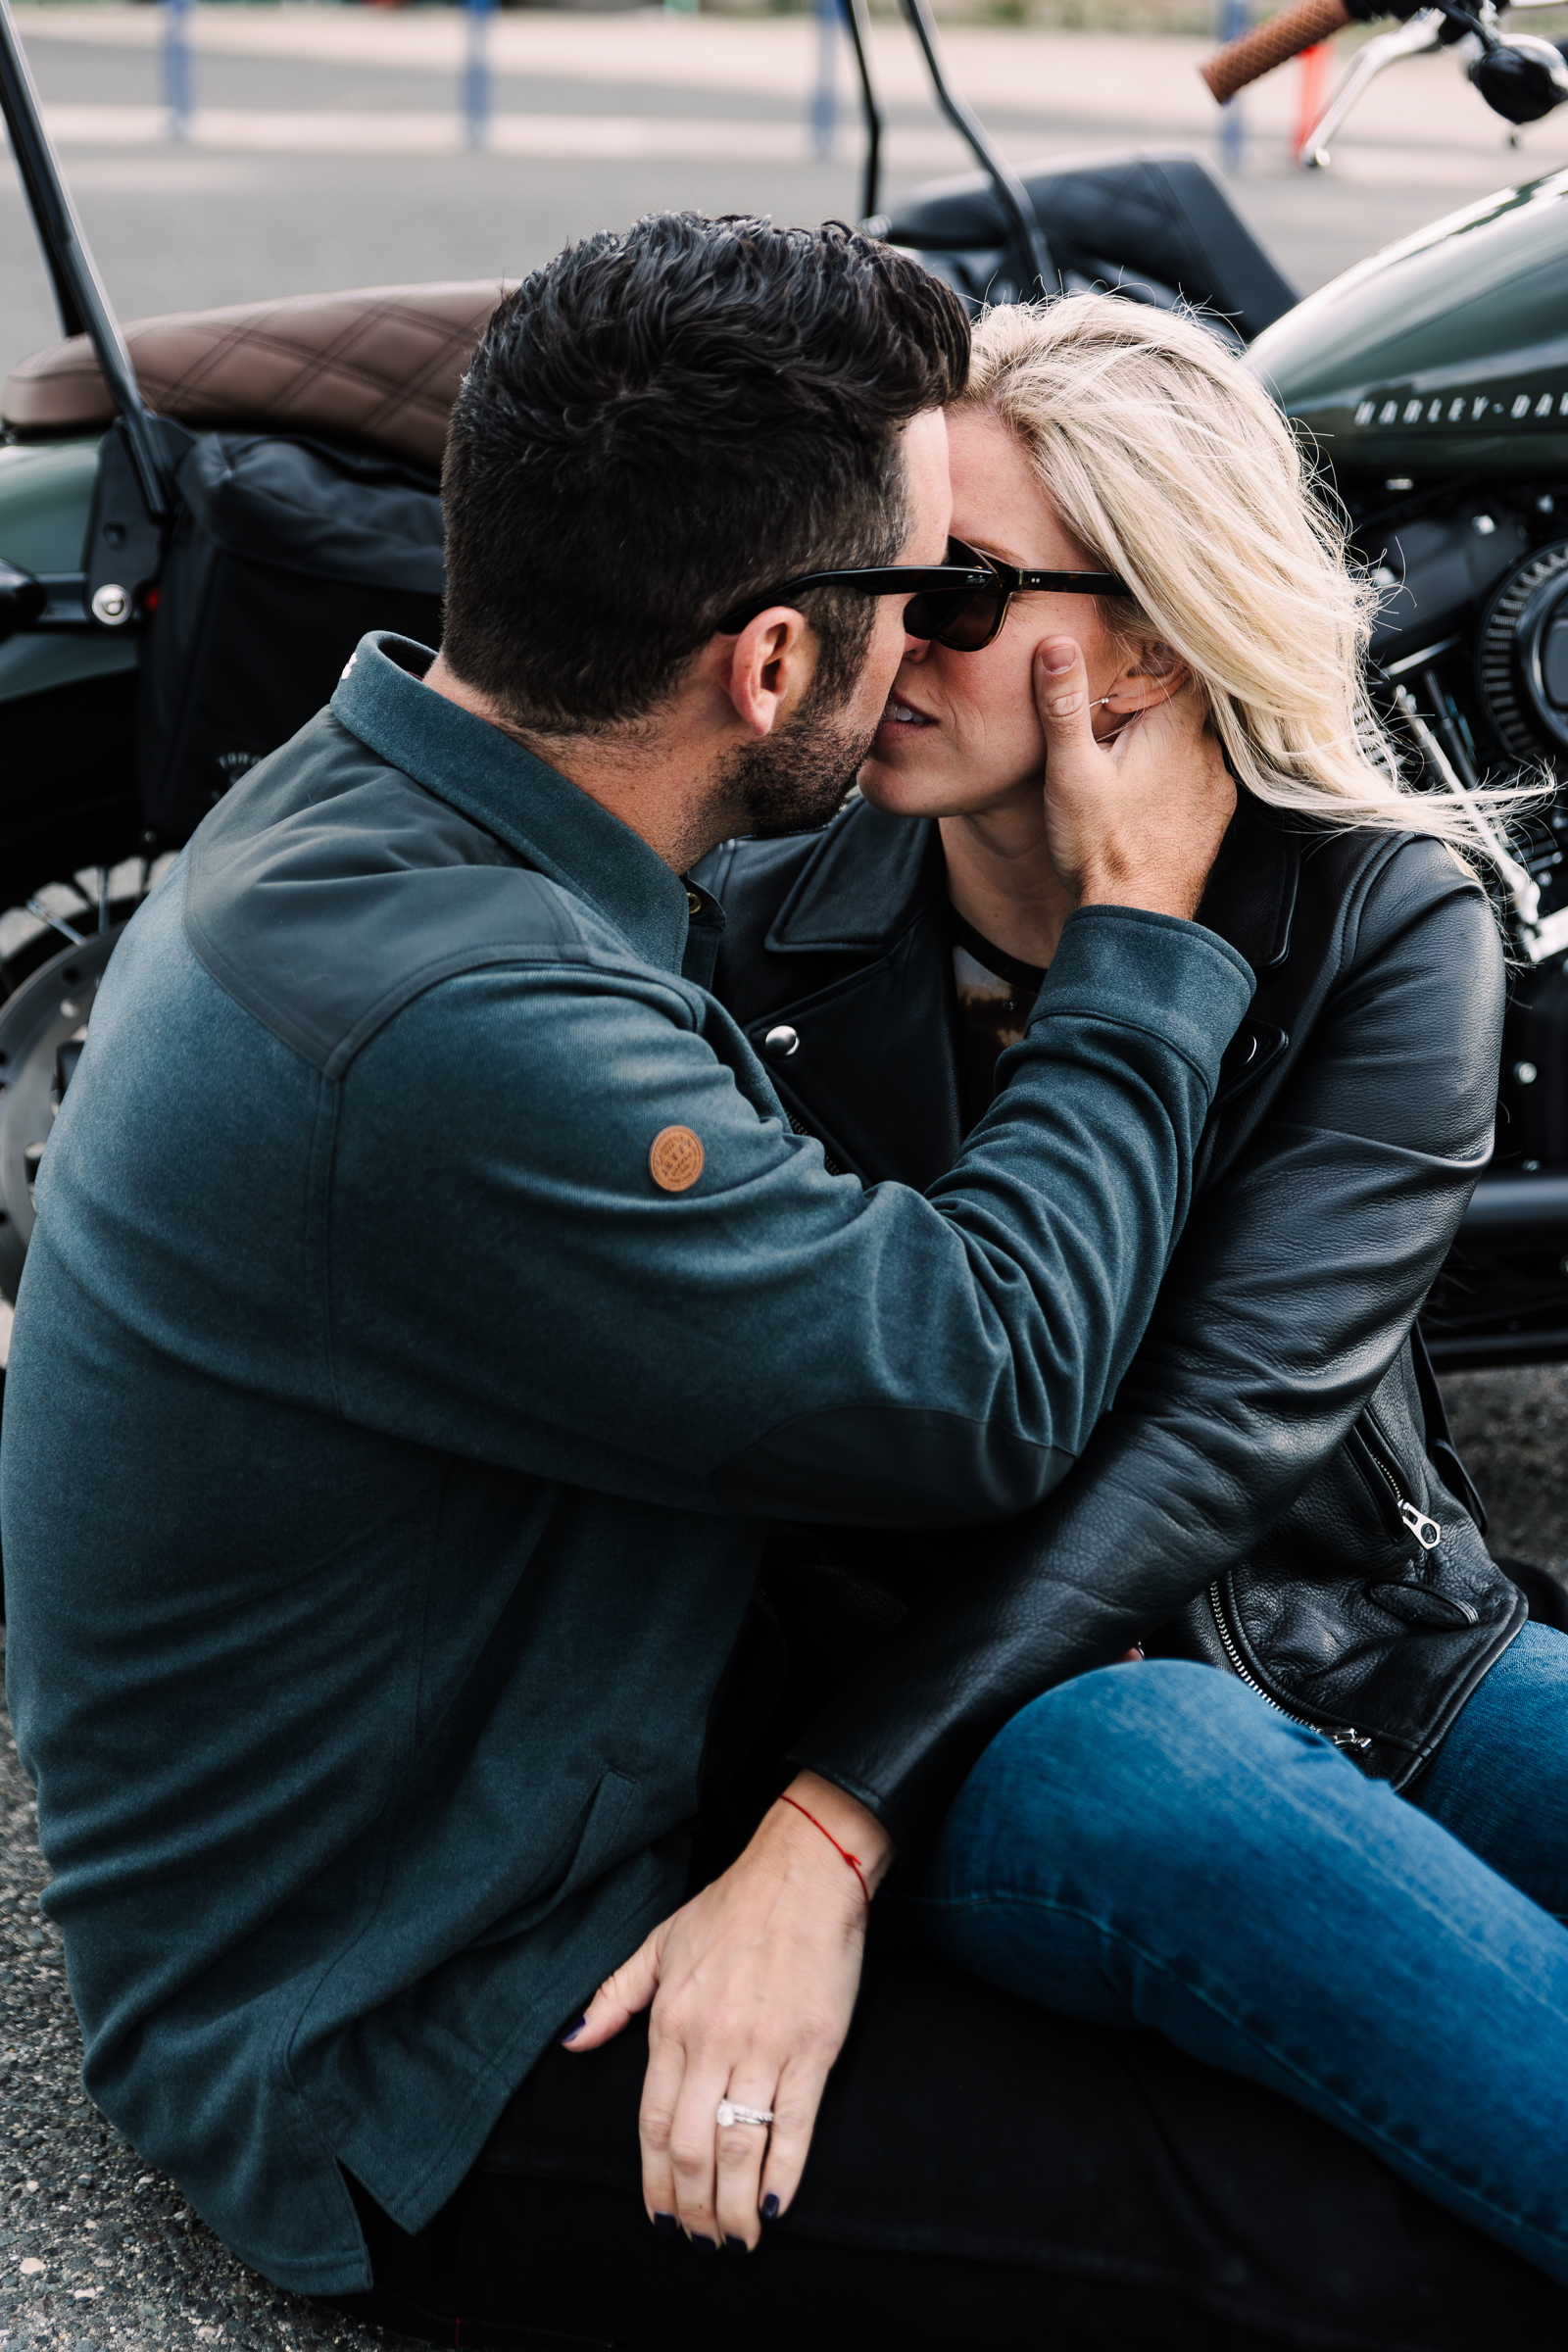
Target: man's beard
<point x="794" y="782"/>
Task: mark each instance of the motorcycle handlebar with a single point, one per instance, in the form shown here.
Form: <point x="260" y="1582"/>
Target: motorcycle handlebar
<point x="1300" y="26"/>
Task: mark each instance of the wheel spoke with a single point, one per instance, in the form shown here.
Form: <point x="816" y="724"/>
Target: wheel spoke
<point x="56" y="922"/>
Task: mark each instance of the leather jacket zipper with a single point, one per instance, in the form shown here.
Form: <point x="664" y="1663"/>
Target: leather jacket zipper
<point x="1341" y="1738"/>
<point x="1426" y="1531"/>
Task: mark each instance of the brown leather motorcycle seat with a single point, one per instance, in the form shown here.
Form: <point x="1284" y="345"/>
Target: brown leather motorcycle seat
<point x="380" y="363"/>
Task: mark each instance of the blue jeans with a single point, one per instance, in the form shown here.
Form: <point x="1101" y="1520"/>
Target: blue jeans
<point x="1153" y="1846"/>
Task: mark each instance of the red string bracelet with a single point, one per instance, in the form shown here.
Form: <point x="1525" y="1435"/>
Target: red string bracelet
<point x="854" y="1860"/>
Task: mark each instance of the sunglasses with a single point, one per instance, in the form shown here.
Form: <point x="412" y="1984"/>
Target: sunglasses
<point x="960" y="604"/>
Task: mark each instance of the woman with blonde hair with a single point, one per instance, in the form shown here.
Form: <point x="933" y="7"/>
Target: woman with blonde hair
<point x="1317" y="1838"/>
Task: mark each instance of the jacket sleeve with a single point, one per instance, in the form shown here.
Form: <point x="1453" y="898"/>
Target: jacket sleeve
<point x="1294" y="1285"/>
<point x="757" y="1336"/>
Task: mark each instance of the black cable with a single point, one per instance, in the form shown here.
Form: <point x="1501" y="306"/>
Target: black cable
<point x="860" y="32"/>
<point x="79" y="293"/>
<point x="1028" y="239"/>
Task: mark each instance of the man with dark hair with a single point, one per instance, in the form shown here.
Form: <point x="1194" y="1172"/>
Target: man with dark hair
<point x="592" y="441"/>
<point x="611" y="496"/>
<point x="429" y="1303"/>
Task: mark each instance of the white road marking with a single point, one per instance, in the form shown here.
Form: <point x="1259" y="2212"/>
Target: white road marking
<point x="564" y="138"/>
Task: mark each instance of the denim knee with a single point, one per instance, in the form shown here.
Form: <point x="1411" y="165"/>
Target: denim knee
<point x="1149" y="1765"/>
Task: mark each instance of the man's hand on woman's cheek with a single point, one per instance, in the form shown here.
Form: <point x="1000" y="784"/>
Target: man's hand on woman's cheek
<point x="1138" y="820"/>
<point x="753" y="1984"/>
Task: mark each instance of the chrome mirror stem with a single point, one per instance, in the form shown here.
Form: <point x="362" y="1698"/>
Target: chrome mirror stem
<point x="1406" y="40"/>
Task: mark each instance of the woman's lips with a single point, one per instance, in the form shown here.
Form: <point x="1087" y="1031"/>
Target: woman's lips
<point x="900" y="718"/>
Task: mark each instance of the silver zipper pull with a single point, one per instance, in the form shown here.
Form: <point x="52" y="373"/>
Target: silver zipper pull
<point x="1427" y="1533"/>
<point x="1350" y="1739"/>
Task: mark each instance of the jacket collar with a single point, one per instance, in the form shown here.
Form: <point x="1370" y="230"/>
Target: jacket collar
<point x="552" y="825"/>
<point x="871" y="876"/>
<point x="1249" y="897"/>
<point x="865" y="882"/>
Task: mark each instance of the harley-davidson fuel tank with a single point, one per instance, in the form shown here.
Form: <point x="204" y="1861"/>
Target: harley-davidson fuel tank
<point x="1446" y="354"/>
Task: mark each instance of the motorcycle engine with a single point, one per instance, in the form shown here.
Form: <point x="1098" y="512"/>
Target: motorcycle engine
<point x="1522" y="656"/>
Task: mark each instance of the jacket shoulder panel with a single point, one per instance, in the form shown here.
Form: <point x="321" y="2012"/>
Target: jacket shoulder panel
<point x="1378" y="883"/>
<point x="1410" y="1026"/>
<point x="1416" y="872"/>
<point x="329" y="889"/>
<point x="1393" y="956"/>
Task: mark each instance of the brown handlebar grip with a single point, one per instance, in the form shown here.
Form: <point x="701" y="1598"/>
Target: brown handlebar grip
<point x="1259" y="52"/>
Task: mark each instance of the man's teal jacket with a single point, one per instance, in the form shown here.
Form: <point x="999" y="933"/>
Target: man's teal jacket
<point x="387" y="1452"/>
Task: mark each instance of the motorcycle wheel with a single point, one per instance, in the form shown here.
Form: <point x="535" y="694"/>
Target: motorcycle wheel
<point x="76" y="861"/>
<point x="42" y="1026"/>
<point x="52" y="979"/>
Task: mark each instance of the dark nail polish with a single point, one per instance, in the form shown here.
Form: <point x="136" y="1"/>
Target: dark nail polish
<point x="770" y="2207"/>
<point x="736" y="2245"/>
<point x="573" y="2031"/>
<point x="667" y="2224"/>
<point x="707" y="2245"/>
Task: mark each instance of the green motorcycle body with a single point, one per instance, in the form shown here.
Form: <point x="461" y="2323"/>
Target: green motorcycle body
<point x="1446" y="355"/>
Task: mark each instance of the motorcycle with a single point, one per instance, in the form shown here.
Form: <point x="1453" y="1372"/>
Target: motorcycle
<point x="199" y="518"/>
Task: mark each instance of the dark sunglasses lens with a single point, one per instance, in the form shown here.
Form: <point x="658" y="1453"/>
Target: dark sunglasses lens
<point x="962" y="618"/>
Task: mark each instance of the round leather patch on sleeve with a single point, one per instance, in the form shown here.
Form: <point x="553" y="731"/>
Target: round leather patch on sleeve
<point x="675" y="1160"/>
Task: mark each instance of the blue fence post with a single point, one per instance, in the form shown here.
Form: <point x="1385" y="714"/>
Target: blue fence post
<point x="476" y="73"/>
<point x="1235" y="18"/>
<point x="825" y="97"/>
<point x="177" y="67"/>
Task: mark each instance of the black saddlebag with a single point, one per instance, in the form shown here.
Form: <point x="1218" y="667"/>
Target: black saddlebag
<point x="283" y="553"/>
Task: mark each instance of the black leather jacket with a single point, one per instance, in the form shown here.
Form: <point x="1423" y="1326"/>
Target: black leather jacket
<point x="1275" y="1490"/>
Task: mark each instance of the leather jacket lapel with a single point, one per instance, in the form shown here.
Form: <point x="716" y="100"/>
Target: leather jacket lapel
<point x="1250" y="900"/>
<point x="1249" y="897"/>
<point x="872" y="902"/>
<point x="872" y="1071"/>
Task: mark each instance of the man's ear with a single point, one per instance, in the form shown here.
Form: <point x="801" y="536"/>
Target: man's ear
<point x="1153" y="672"/>
<point x="768" y="671"/>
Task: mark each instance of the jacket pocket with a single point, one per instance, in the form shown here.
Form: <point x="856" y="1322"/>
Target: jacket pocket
<point x="599" y="1846"/>
<point x="1413" y="1598"/>
<point x="1420" y="1605"/>
<point x="1392" y="1485"/>
<point x="590" y="1846"/>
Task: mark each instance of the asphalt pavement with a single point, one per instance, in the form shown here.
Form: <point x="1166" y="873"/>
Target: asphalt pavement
<point x="97" y="2253"/>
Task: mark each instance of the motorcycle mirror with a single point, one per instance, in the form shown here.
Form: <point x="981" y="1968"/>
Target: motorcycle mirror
<point x="1521" y="79"/>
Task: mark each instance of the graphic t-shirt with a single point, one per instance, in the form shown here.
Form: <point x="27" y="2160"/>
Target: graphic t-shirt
<point x="995" y="997"/>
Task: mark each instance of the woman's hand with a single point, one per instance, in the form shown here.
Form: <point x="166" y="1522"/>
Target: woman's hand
<point x="1136" y="821"/>
<point x="752" y="1986"/>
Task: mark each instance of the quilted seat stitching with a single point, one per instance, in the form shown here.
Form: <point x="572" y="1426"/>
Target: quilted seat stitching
<point x="336" y="359"/>
<point x="415" y="394"/>
<point x="202" y="364"/>
<point x="259" y="327"/>
<point x="308" y="363"/>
